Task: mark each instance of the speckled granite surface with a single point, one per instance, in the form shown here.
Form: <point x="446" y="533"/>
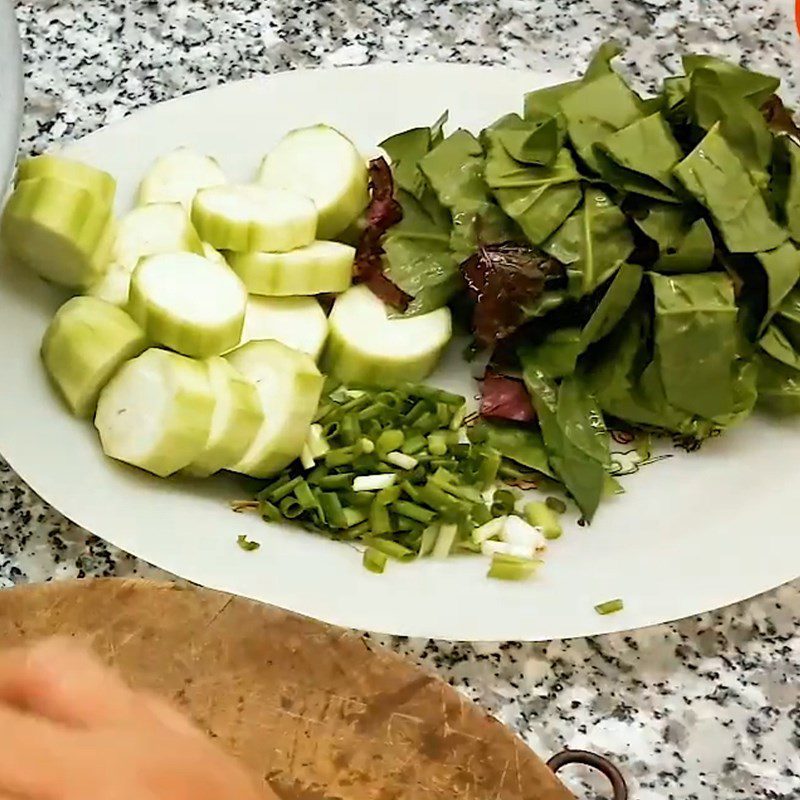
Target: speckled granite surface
<point x="705" y="708"/>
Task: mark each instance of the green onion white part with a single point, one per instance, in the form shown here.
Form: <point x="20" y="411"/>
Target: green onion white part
<point x="491" y="547"/>
<point x="297" y="322"/>
<point x="156" y="412"/>
<point x="492" y="529"/>
<point x="177" y="177"/>
<point x="66" y="170"/>
<point x="518" y="533"/>
<point x="188" y="303"/>
<point x="401" y="460"/>
<point x="235" y="422"/>
<point x="315" y="269"/>
<point x="59" y="230"/>
<point x="84" y="345"/>
<point x="367" y="346"/>
<point x="289" y="386"/>
<point x="250" y="218"/>
<point x="324" y="165"/>
<point x="374" y="483"/>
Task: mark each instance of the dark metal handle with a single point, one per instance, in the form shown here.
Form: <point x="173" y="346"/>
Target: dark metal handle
<point x="594" y="761"/>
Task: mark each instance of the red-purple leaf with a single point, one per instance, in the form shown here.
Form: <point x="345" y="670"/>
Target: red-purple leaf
<point x="779" y="118"/>
<point x="505" y="398"/>
<point x="383" y="212"/>
<point x="502" y="280"/>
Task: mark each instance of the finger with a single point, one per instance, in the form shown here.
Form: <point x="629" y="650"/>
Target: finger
<point x="166" y="715"/>
<point x="59" y="680"/>
<point x="38" y="757"/>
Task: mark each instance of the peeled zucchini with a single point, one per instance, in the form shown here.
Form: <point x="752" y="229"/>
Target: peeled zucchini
<point x="60" y="230"/>
<point x="156" y="412"/>
<point x="289" y="386"/>
<point x="324" y="165"/>
<point x="314" y="269"/>
<point x="113" y="286"/>
<point x="84" y="345"/>
<point x="177" y="177"/>
<point x="366" y="346"/>
<point x="297" y="322"/>
<point x="152" y="229"/>
<point x="236" y="419"/>
<point x="212" y="254"/>
<point x="188" y="303"/>
<point x="245" y="218"/>
<point x="67" y="170"/>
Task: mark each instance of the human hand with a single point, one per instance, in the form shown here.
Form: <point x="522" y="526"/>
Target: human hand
<point x="72" y="730"/>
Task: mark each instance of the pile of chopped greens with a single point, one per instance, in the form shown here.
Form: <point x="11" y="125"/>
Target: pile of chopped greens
<point x="621" y="258"/>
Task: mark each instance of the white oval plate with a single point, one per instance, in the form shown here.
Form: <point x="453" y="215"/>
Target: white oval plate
<point x="693" y="532"/>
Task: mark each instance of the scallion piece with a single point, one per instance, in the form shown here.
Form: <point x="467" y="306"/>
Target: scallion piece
<point x="373" y="483"/>
<point x="268" y="511"/>
<point x="489" y="530"/>
<point x="512" y="568"/>
<point x="290" y="507"/>
<point x="374" y="560"/>
<point x="413" y="511"/>
<point x="426" y="423"/>
<point x="391" y="548"/>
<point x="437" y="444"/>
<point x="343" y="480"/>
<point x="388" y="495"/>
<point x="609" y="607"/>
<point x="246" y="544"/>
<point x="445" y="540"/>
<point x="540" y="515"/>
<point x="556" y="504"/>
<point x="488" y="467"/>
<point x="401" y="460"/>
<point x="379" y="521"/>
<point x="305" y="496"/>
<point x="332" y="509"/>
<point x="350" y="429"/>
<point x="428" y="540"/>
<point x="413" y="444"/>
<point x="353" y="516"/>
<point x="283" y="491"/>
<point x="389" y="440"/>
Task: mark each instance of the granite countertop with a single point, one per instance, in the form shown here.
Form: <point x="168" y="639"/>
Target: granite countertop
<point x="704" y="708"/>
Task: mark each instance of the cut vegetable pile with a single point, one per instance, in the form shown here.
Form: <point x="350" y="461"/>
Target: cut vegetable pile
<point x="615" y="257"/>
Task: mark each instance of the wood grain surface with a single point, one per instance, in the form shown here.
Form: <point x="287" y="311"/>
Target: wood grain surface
<point x="320" y="713"/>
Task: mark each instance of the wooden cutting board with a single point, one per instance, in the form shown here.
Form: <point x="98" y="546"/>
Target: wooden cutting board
<point x="318" y="712"/>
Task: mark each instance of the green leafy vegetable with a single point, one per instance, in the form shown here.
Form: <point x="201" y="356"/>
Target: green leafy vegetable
<point x="246" y="544"/>
<point x="718" y="180"/>
<point x="612" y="307"/>
<point x="788" y="317"/>
<point x="696" y="340"/>
<point x="557" y="353"/>
<point x="593" y="242"/>
<point x="454" y="170"/>
<point x="537" y="198"/>
<point x="755" y="86"/>
<point x="520" y="443"/>
<point x="564" y="425"/>
<point x="640" y="158"/>
<point x="775" y="343"/>
<point x="685" y="243"/>
<point x="600" y="65"/>
<point x="786" y="183"/>
<point x="546" y="103"/>
<point x="778" y="386"/>
<point x="597" y="109"/>
<point x="418" y="258"/>
<point x="529" y="141"/>
<point x="782" y="269"/>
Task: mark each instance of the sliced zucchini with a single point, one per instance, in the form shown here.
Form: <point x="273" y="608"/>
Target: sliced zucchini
<point x="67" y="170"/>
<point x="314" y="269"/>
<point x="113" y="286"/>
<point x="246" y="218"/>
<point x="366" y="346"/>
<point x="59" y="230"/>
<point x="152" y="229"/>
<point x="212" y="254"/>
<point x="188" y="303"/>
<point x="84" y="345"/>
<point x="297" y="322"/>
<point x="235" y="422"/>
<point x="324" y="165"/>
<point x="289" y="386"/>
<point x="156" y="412"/>
<point x="177" y="177"/>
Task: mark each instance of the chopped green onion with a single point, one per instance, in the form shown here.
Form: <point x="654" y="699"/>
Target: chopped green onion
<point x="389" y="440"/>
<point x="411" y="490"/>
<point x="344" y="480"/>
<point x="540" y="515"/>
<point x="268" y="511"/>
<point x="437" y="499"/>
<point x="374" y="560"/>
<point x="305" y="496"/>
<point x="315" y="441"/>
<point x="350" y="429"/>
<point x="413" y="444"/>
<point x="246" y="544"/>
<point x="353" y="516"/>
<point x="413" y="511"/>
<point x="609" y="607"/>
<point x="428" y="540"/>
<point x="503" y="502"/>
<point x="390" y="548"/>
<point x="307" y="458"/>
<point x="401" y="460"/>
<point x="458" y="418"/>
<point x="444" y="541"/>
<point x="341" y="456"/>
<point x="372" y="483"/>
<point x="332" y="510"/>
<point x="426" y="423"/>
<point x="366" y="445"/>
<point x="372" y="411"/>
<point x="556" y="504"/>
<point x="487" y="470"/>
<point x="379" y="521"/>
<point x="512" y="568"/>
<point x="489" y="530"/>
<point x="416" y="411"/>
<point x="290" y="507"/>
<point x="388" y="495"/>
<point x="433" y="394"/>
<point x="437" y="444"/>
<point x="284" y="490"/>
